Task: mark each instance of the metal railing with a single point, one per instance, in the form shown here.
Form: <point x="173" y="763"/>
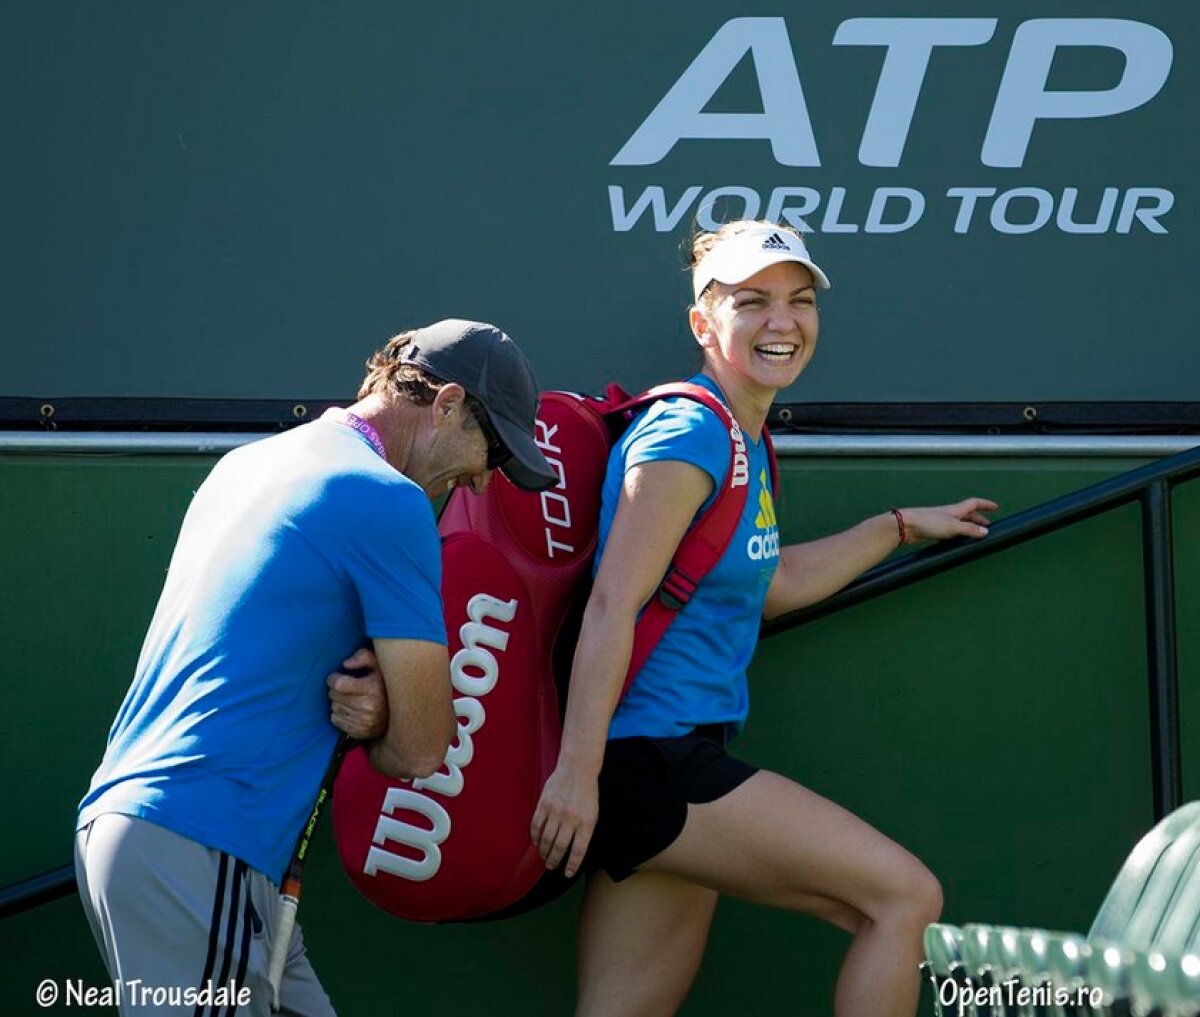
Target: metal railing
<point x="807" y="446"/>
<point x="1151" y="485"/>
<point x="26" y="894"/>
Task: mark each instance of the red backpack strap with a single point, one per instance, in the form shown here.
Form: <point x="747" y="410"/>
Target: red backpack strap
<point x="773" y="463"/>
<point x="706" y="541"/>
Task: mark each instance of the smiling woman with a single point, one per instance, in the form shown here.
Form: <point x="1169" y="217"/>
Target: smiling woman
<point x="645" y="797"/>
<point x="763" y="321"/>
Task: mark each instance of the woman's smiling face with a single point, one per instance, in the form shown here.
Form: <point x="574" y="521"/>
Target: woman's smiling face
<point x="763" y="329"/>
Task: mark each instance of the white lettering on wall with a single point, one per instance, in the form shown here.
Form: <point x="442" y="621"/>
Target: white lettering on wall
<point x="1023" y="100"/>
<point x="910" y="43"/>
<point x="680" y="113"/>
<point x="898" y="209"/>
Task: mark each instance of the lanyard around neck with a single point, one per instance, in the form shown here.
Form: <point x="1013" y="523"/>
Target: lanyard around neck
<point x="359" y="427"/>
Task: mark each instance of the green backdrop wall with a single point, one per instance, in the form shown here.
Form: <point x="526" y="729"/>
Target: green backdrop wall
<point x="236" y="200"/>
<point x="993" y="719"/>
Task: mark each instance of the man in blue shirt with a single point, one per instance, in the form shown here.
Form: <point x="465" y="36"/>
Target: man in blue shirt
<point x="295" y="552"/>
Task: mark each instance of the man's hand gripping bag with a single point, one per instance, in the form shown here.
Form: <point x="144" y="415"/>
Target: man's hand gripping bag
<point x="456" y="845"/>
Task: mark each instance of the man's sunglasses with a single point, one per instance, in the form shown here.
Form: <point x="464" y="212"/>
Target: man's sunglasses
<point x="497" y="452"/>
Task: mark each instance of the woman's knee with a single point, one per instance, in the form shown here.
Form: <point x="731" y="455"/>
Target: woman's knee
<point x="928" y="897"/>
<point x="918" y="896"/>
<point x="912" y="896"/>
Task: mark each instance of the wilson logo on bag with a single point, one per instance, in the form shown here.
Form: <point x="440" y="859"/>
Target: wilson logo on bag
<point x="516" y="567"/>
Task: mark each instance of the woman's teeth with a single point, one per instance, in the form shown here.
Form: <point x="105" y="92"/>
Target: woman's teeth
<point x="777" y="351"/>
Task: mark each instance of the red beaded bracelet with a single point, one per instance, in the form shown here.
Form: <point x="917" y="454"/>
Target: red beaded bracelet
<point x="900" y="525"/>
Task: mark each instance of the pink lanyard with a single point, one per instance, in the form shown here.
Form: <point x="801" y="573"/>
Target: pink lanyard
<point x="358" y="425"/>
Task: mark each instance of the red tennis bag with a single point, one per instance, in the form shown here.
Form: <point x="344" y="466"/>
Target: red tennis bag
<point x="516" y="566"/>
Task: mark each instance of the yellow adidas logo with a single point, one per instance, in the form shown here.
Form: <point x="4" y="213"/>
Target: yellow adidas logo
<point x="766" y="505"/>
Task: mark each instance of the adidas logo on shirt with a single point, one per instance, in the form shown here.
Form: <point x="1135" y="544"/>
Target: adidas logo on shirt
<point x="775" y="243"/>
<point x="766" y="506"/>
<point x="764" y="545"/>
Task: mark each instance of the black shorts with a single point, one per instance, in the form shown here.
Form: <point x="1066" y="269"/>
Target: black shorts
<point x="646" y="785"/>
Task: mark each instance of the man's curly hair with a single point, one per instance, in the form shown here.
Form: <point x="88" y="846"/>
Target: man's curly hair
<point x="386" y="372"/>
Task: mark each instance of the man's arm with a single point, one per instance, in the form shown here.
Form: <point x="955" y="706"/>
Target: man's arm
<point x="419" y="715"/>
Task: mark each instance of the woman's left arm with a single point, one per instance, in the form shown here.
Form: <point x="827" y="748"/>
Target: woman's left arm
<point x="812" y="571"/>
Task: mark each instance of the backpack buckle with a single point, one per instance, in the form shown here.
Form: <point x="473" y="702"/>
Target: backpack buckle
<point x="676" y="589"/>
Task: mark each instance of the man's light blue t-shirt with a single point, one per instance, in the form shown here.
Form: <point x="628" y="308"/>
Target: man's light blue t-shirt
<point x="697" y="673"/>
<point x="294" y="551"/>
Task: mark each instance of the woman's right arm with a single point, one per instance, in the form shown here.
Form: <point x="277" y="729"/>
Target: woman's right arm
<point x="657" y="505"/>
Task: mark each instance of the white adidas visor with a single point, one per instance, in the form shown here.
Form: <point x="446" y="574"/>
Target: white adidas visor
<point x="742" y="255"/>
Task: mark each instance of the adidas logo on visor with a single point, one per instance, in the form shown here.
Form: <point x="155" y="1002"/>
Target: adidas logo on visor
<point x="775" y="243"/>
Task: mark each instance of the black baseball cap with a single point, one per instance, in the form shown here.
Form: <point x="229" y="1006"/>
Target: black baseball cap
<point x="488" y="364"/>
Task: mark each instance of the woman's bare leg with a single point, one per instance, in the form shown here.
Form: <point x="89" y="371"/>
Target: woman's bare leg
<point x="640" y="944"/>
<point x="777" y="843"/>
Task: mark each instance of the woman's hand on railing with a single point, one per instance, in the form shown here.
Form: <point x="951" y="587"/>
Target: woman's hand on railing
<point x="966" y="518"/>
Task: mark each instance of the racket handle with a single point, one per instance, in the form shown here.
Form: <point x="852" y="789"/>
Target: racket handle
<point x="281" y="939"/>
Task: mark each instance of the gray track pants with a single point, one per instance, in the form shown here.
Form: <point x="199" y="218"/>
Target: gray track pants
<point x="171" y="917"/>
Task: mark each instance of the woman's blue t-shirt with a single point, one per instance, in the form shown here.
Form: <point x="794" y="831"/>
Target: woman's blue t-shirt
<point x="697" y="673"/>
